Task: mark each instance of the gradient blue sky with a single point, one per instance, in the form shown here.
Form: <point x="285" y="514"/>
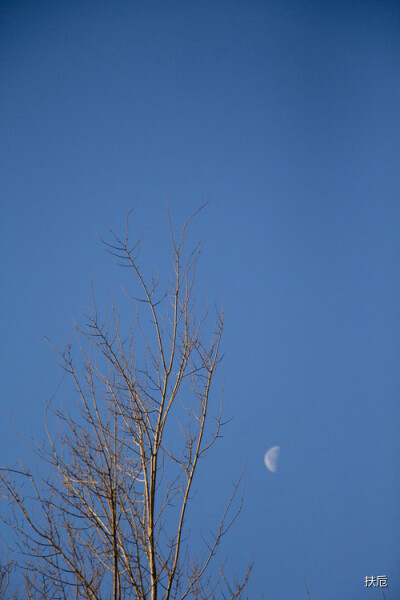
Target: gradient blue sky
<point x="285" y="116"/>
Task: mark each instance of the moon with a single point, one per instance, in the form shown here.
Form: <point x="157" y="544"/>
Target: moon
<point x="271" y="458"/>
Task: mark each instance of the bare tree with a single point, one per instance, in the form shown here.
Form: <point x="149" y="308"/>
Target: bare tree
<point x="109" y="517"/>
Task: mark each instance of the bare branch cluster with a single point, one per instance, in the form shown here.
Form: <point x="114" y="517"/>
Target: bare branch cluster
<point x="109" y="518"/>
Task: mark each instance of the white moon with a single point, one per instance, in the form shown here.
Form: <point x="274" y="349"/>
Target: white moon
<point x="271" y="458"/>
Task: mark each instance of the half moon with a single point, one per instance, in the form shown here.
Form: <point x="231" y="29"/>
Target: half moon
<point x="271" y="458"/>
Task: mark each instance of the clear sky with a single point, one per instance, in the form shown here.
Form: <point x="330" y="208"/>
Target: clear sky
<point x="285" y="116"/>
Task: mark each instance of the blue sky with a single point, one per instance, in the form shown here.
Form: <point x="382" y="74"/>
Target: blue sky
<point x="284" y="115"/>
